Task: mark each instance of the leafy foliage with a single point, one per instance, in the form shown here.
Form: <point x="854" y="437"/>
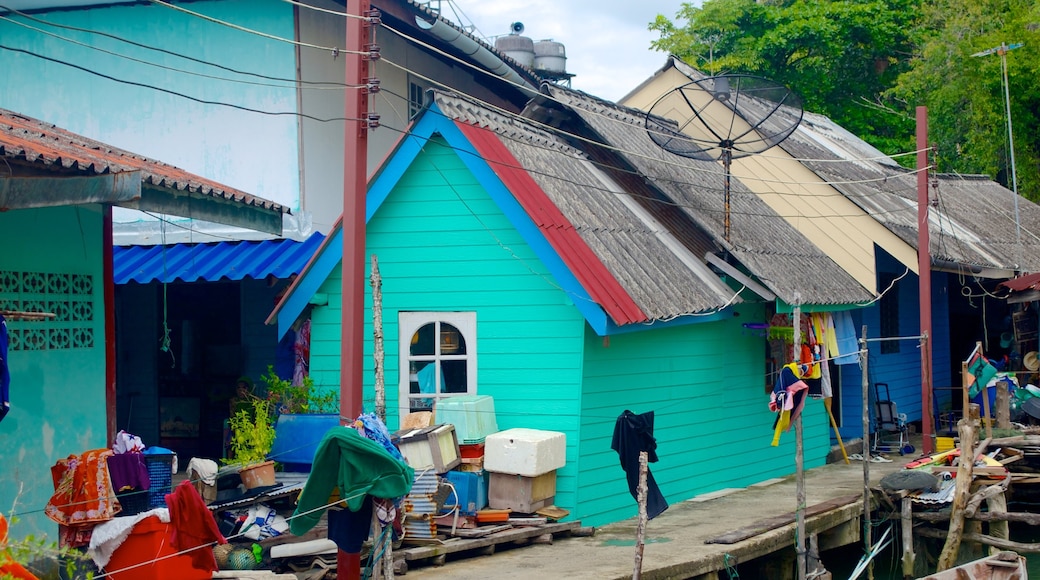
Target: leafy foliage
<point x="303" y="398"/>
<point x="252" y="433"/>
<point x="867" y="64"/>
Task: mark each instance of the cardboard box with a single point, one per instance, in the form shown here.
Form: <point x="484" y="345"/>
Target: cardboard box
<point x="520" y="493"/>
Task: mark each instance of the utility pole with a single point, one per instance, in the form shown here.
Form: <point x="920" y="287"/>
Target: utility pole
<point x="924" y="279"/>
<point x="359" y="50"/>
<point x="1002" y="50"/>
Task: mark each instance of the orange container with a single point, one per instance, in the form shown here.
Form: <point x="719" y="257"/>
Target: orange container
<point x="137" y="558"/>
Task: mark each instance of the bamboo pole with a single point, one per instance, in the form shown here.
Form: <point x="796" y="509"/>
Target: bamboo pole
<point x="377" y="340"/>
<point x="834" y="424"/>
<point x="641" y="526"/>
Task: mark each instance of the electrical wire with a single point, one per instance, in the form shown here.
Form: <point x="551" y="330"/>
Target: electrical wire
<point x="174" y="93"/>
<point x="293" y="86"/>
<point x="330" y="49"/>
<point x="168" y="52"/>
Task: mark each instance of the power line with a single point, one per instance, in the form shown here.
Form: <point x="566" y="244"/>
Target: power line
<point x="164" y="51"/>
<point x="174" y="93"/>
<point x="293" y="86"/>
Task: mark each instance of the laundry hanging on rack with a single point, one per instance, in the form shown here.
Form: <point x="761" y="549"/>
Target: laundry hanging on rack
<point x="787" y="399"/>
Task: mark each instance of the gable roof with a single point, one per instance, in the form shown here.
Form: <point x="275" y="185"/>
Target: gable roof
<point x="761" y="241"/>
<point x="621" y="267"/>
<point x="34" y="148"/>
<point x="972" y="219"/>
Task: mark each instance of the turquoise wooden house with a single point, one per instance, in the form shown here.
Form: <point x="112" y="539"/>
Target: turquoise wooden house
<point x="57" y="193"/>
<point x="522" y="266"/>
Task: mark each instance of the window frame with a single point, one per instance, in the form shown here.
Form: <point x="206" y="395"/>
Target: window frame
<point x="408" y="323"/>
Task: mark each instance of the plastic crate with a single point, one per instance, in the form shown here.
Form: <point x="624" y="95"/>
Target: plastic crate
<point x="160" y="478"/>
<point x="473" y="416"/>
<point x="133" y="502"/>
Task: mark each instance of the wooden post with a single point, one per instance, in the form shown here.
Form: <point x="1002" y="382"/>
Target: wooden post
<point x="986" y="421"/>
<point x="966" y="432"/>
<point x="865" y="396"/>
<point x="997" y="504"/>
<point x="377" y="339"/>
<point x="641" y="526"/>
<point x="1003" y="411"/>
<point x="799" y="457"/>
<point x="907" y="517"/>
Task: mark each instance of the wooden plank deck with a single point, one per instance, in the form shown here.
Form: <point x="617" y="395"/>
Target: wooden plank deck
<point x="436" y="553"/>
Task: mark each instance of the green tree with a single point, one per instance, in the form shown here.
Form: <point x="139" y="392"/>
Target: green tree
<point x="867" y="64"/>
<point x="840" y="57"/>
<point x="965" y="94"/>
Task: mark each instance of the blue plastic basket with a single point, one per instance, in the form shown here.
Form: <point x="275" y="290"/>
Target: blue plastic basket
<point x="160" y="478"/>
<point x="133" y="502"/>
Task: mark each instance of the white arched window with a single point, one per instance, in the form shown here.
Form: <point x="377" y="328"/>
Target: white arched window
<point x="438" y="354"/>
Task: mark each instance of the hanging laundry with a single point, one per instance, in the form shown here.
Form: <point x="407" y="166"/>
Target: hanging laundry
<point x="632" y="435"/>
<point x="786" y="400"/>
<point x="845" y="336"/>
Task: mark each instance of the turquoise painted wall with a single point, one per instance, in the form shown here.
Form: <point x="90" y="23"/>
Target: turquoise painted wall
<point x="705" y="385"/>
<point x="251" y="151"/>
<point x="53" y="263"/>
<point x="443" y="245"/>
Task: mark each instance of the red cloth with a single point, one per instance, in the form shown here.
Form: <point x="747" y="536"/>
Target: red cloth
<point x="193" y="526"/>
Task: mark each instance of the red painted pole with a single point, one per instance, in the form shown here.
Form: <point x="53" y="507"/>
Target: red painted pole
<point x="355" y="162"/>
<point x="924" y="270"/>
<point x="355" y="172"/>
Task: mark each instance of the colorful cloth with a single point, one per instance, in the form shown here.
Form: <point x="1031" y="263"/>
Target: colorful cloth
<point x="83" y="491"/>
<point x="358" y="467"/>
<point x="786" y="400"/>
<point x="193" y="526"/>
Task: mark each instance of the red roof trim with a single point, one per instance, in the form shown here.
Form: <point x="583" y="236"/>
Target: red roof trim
<point x="601" y="285"/>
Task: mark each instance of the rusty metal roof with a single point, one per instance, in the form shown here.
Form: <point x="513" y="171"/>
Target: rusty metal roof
<point x="42" y="148"/>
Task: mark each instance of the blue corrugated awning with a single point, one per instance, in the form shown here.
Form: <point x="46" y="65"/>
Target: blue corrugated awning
<point x="212" y="262"/>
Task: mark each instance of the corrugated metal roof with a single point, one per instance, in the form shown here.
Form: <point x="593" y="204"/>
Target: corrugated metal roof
<point x="629" y="263"/>
<point x="765" y="243"/>
<point x="211" y="262"/>
<point x="53" y="149"/>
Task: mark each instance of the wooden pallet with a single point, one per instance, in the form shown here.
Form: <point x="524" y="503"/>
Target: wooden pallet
<point x="436" y="553"/>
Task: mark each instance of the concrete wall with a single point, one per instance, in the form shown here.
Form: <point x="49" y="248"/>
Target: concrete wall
<point x="53" y="263"/>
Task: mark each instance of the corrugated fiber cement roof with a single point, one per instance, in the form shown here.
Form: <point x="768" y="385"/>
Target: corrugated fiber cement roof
<point x="212" y="262"/>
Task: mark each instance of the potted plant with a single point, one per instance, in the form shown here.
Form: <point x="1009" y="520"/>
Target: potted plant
<point x="252" y="436"/>
<point x="304" y="415"/>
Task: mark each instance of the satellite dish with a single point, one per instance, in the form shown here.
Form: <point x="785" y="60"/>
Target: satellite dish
<point x="724" y="117"/>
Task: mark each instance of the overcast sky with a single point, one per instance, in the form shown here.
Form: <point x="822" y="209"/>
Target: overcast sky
<point x="607" y="41"/>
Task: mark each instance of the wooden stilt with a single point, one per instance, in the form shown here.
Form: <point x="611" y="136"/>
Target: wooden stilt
<point x="998" y="529"/>
<point x="966" y="432"/>
<point x="641" y="527"/>
<point x="906" y="515"/>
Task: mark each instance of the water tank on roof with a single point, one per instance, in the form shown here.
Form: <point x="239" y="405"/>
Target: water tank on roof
<point x="550" y="56"/>
<point x="516" y="47"/>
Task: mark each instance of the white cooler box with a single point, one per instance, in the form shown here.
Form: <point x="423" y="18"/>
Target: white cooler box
<point x="526" y="452"/>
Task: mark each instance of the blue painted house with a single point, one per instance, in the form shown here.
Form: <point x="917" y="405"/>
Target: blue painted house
<point x="536" y="270"/>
